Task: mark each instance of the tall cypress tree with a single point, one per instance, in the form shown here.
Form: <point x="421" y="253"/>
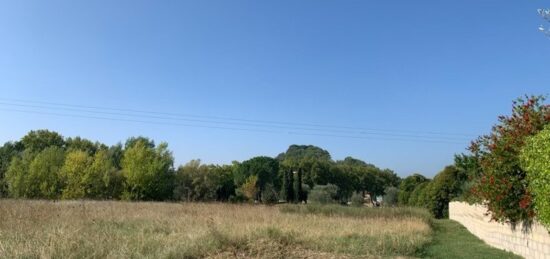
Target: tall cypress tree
<point x="298" y="196"/>
<point x="288" y="187"/>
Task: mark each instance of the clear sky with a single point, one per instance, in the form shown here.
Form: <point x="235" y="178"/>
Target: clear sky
<point x="405" y="68"/>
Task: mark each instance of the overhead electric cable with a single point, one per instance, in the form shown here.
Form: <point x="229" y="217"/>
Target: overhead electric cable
<point x="325" y="126"/>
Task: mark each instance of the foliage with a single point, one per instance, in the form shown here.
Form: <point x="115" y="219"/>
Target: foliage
<point x="419" y="196"/>
<point x="38" y="140"/>
<point x="287" y="190"/>
<point x="468" y="165"/>
<point x="83" y="144"/>
<point x="535" y="159"/>
<point x="503" y="186"/>
<point x="43" y="180"/>
<point x="357" y="200"/>
<point x="299" y="194"/>
<point x="90" y="177"/>
<point x="17" y="175"/>
<point x="266" y="170"/>
<point x="407" y="186"/>
<point x="269" y="194"/>
<point x="445" y="186"/>
<point x="391" y="196"/>
<point x="250" y="187"/>
<point x="303" y="152"/>
<point x="323" y="194"/>
<point x="7" y="152"/>
<point x="148" y="171"/>
<point x="72" y="173"/>
<point x="198" y="182"/>
<point x="141" y="170"/>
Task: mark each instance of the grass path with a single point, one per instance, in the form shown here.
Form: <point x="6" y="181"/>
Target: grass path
<point x="452" y="240"/>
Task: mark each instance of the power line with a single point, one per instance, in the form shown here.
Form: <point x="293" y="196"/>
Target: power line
<point x="228" y="123"/>
<point x="427" y="140"/>
<point x="266" y="122"/>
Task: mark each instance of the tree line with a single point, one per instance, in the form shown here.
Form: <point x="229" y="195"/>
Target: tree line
<point x="506" y="170"/>
<point x="45" y="165"/>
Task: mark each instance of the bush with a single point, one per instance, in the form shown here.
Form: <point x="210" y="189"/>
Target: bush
<point x="43" y="175"/>
<point x="503" y="185"/>
<point x="323" y="194"/>
<point x="445" y="186"/>
<point x="407" y="186"/>
<point x="357" y="200"/>
<point x="418" y="196"/>
<point x="269" y="195"/>
<point x="390" y="198"/>
<point x="535" y="159"/>
<point x="250" y="187"/>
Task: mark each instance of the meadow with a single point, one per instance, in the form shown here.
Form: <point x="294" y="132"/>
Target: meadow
<point x="112" y="229"/>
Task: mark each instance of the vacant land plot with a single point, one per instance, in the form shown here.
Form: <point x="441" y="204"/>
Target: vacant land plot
<point x="30" y="229"/>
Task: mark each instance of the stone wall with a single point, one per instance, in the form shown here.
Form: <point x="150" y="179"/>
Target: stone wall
<point x="534" y="244"/>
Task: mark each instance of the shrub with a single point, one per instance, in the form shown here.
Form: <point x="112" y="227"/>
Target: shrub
<point x="418" y="196"/>
<point x="43" y="180"/>
<point x="250" y="187"/>
<point x="407" y="186"/>
<point x="390" y="198"/>
<point x="269" y="194"/>
<point x="445" y="186"/>
<point x="503" y="185"/>
<point x="323" y="194"/>
<point x="357" y="200"/>
<point x="535" y="159"/>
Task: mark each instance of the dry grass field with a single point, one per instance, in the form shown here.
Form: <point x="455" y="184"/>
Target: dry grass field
<point x="110" y="229"/>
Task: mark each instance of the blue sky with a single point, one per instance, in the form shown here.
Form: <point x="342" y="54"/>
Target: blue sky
<point x="404" y="66"/>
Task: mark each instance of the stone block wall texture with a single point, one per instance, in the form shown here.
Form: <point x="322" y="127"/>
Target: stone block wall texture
<point x="534" y="244"/>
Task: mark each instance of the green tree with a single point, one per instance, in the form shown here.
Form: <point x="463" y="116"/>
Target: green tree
<point x="407" y="186"/>
<point x="418" y="196"/>
<point x="225" y="184"/>
<point x="265" y="168"/>
<point x="535" y="159"/>
<point x="297" y="153"/>
<point x="445" y="186"/>
<point x="250" y="187"/>
<point x="38" y="140"/>
<point x="73" y="173"/>
<point x="83" y="144"/>
<point x="43" y="179"/>
<point x="17" y="175"/>
<point x="391" y="196"/>
<point x="7" y="152"/>
<point x="115" y="155"/>
<point x="323" y="194"/>
<point x="104" y="180"/>
<point x="270" y="194"/>
<point x="198" y="182"/>
<point x="91" y="177"/>
<point x="148" y="171"/>
<point x="288" y="183"/>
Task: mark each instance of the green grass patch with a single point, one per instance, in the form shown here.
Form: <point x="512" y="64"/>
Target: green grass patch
<point x="452" y="240"/>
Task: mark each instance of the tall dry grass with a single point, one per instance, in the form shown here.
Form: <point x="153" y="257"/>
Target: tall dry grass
<point x="109" y="229"/>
